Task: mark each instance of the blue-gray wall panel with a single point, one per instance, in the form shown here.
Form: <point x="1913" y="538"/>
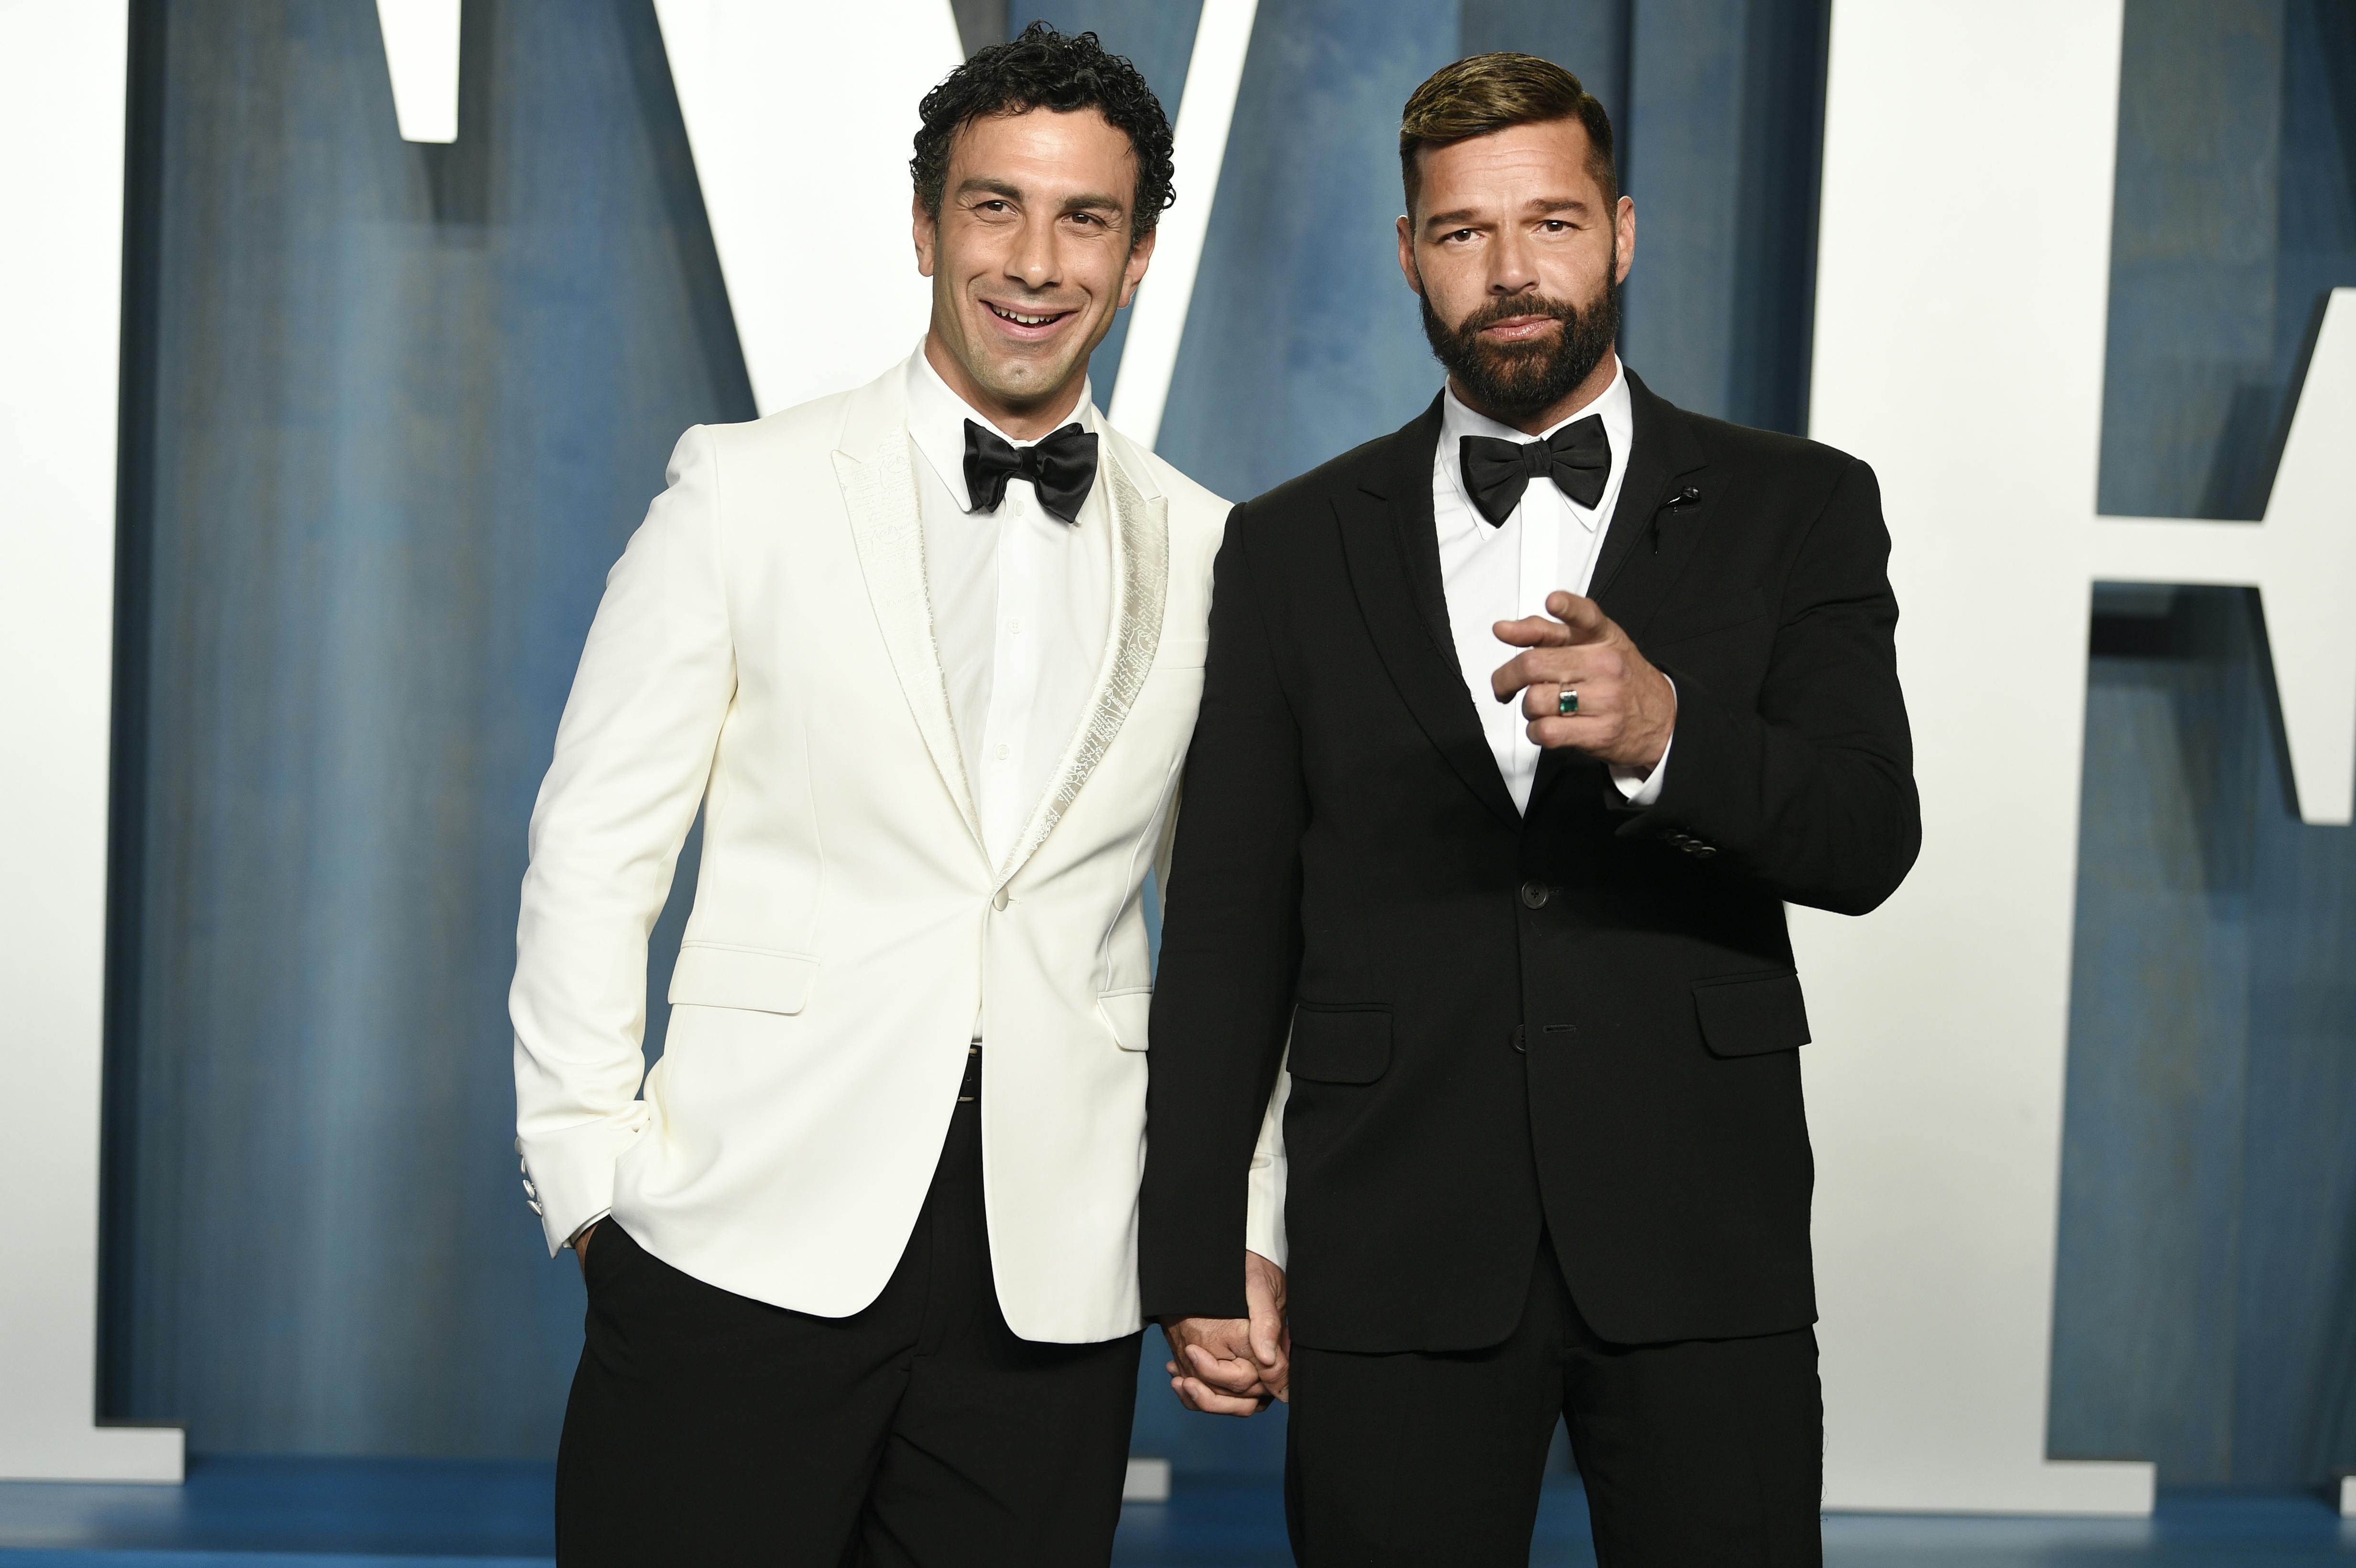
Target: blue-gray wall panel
<point x="2205" y="1314"/>
<point x="1299" y="299"/>
<point x="409" y="401"/>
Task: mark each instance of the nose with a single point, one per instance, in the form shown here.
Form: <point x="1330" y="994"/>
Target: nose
<point x="1033" y="261"/>
<point x="1511" y="268"/>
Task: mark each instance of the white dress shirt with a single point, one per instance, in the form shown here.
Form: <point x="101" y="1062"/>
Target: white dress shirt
<point x="1503" y="573"/>
<point x="1021" y="606"/>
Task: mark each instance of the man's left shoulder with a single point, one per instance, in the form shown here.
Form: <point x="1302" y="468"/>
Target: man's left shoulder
<point x="1768" y="453"/>
<point x="1196" y="518"/>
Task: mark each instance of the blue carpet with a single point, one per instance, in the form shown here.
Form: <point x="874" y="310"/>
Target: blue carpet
<point x="414" y="1513"/>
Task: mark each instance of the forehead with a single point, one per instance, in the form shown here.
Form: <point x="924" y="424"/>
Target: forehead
<point x="1045" y="150"/>
<point x="1510" y="167"/>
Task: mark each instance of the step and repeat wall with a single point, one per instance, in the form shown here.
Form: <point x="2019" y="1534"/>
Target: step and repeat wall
<point x="392" y="408"/>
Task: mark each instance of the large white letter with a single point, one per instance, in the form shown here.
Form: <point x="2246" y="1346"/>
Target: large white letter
<point x="62" y="79"/>
<point x="1961" y="291"/>
<point x="802" y="119"/>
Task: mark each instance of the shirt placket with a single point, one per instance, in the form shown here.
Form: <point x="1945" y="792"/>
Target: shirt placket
<point x="1015" y="677"/>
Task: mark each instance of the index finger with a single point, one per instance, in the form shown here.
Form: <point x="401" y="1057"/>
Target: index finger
<point x="1533" y="631"/>
<point x="1582" y="617"/>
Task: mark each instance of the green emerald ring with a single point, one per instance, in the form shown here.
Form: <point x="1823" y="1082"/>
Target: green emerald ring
<point x="1566" y="701"/>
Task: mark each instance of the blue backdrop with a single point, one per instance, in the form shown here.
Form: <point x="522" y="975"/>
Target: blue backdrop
<point x="394" y="409"/>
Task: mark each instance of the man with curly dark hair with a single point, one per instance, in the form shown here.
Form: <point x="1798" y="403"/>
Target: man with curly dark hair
<point x="861" y="1251"/>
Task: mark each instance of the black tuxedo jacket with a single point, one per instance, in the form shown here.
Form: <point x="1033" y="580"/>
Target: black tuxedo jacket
<point x="1583" y="1020"/>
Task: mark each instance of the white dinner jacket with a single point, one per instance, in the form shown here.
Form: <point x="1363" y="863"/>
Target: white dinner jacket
<point x="765" y="650"/>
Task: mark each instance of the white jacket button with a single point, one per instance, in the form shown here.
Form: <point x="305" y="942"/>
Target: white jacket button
<point x="998" y="900"/>
<point x="535" y="1208"/>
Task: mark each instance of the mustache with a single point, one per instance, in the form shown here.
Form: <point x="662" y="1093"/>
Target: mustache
<point x="1519" y="308"/>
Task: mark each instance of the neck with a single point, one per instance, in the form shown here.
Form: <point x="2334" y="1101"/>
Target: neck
<point x="1024" y="418"/>
<point x="1598" y="382"/>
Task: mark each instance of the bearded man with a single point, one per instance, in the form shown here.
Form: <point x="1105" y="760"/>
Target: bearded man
<point x="1521" y="726"/>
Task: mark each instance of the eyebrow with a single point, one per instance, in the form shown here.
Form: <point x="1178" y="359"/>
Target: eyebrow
<point x="1086" y="202"/>
<point x="1537" y="207"/>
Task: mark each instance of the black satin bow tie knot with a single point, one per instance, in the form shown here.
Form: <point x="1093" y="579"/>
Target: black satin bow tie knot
<point x="1061" y="467"/>
<point x="1578" y="458"/>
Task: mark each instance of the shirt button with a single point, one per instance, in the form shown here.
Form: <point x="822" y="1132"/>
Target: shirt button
<point x="1001" y="753"/>
<point x="1015" y="627"/>
<point x="1534" y="895"/>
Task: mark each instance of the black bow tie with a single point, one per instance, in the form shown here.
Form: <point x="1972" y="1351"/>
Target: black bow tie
<point x="1061" y="467"/>
<point x="1578" y="458"/>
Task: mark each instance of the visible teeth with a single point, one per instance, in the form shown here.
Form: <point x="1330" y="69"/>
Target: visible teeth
<point x="1024" y="320"/>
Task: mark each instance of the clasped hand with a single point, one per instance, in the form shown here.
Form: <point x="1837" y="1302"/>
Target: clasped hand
<point x="1627" y="708"/>
<point x="1234" y="1366"/>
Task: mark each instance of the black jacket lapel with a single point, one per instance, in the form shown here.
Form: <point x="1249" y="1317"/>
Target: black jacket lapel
<point x="1652" y="534"/>
<point x="1392" y="546"/>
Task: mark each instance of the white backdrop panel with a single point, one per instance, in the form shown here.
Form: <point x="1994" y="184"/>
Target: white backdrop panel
<point x="62" y="79"/>
<point x="802" y="117"/>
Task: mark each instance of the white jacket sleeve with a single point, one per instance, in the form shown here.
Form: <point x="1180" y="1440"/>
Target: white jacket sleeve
<point x="633" y="753"/>
<point x="1264" y="1205"/>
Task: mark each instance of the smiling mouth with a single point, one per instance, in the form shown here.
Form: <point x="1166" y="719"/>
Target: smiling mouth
<point x="1026" y="318"/>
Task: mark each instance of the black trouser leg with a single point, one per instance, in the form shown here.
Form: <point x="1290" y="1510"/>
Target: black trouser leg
<point x="1696" y="1454"/>
<point x="708" y="1428"/>
<point x="1002" y="1451"/>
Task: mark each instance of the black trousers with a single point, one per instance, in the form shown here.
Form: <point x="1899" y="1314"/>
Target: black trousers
<point x="709" y="1429"/>
<point x="1695" y="1455"/>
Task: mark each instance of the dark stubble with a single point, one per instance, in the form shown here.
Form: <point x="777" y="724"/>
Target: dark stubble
<point x="1513" y="381"/>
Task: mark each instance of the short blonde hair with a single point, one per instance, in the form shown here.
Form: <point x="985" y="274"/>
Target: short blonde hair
<point x="1483" y="95"/>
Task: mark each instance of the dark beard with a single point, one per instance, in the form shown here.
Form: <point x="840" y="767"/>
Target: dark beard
<point x="1513" y="381"/>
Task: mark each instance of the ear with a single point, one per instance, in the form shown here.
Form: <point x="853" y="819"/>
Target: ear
<point x="1134" y="273"/>
<point x="1623" y="239"/>
<point x="927" y="233"/>
<point x="1408" y="267"/>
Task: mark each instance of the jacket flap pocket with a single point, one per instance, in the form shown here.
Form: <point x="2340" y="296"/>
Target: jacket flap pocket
<point x="753" y="978"/>
<point x="1125" y="1013"/>
<point x="1751" y="1013"/>
<point x="1341" y="1045"/>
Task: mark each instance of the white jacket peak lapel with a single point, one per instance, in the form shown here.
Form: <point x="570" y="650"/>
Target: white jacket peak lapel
<point x="1142" y="575"/>
<point x="879" y="491"/>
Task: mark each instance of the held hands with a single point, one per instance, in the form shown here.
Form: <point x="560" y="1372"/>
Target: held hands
<point x="1627" y="709"/>
<point x="1234" y="1365"/>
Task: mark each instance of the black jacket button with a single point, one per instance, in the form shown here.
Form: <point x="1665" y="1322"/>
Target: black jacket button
<point x="1534" y="895"/>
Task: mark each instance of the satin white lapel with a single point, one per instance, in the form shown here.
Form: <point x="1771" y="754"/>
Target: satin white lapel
<point x="1141" y="544"/>
<point x="880" y="491"/>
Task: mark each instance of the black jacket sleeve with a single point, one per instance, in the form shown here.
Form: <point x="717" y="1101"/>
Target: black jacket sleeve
<point x="1230" y="957"/>
<point x="1810" y="790"/>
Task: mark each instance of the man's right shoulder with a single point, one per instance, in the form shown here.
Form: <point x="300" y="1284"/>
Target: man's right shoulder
<point x="814" y="428"/>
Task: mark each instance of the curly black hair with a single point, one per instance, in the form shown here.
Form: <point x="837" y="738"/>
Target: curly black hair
<point x="1044" y="69"/>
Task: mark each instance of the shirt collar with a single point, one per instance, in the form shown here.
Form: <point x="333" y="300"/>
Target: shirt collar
<point x="1457" y="420"/>
<point x="936" y="417"/>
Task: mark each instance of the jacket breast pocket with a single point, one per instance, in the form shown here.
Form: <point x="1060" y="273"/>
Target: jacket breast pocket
<point x="1751" y="1015"/>
<point x="1180" y="652"/>
<point x="1717" y="613"/>
<point x="1340" y="1044"/>
<point x="756" y="979"/>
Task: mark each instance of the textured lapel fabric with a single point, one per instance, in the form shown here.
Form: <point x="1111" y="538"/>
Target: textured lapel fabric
<point x="879" y="492"/>
<point x="1140" y="533"/>
<point x="1389" y="539"/>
